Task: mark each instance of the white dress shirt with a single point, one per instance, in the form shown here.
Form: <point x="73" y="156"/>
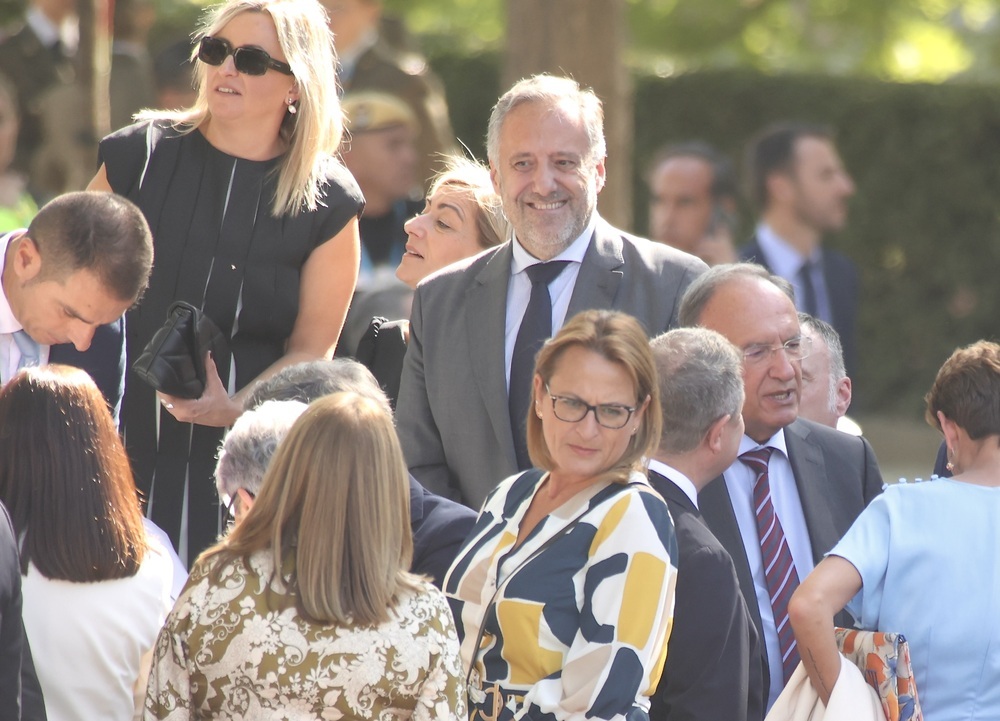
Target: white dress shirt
<point x="786" y="261"/>
<point x="675" y="477"/>
<point x="740" y="480"/>
<point x="560" y="289"/>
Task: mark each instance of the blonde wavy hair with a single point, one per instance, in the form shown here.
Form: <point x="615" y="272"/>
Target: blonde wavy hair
<point x="335" y="499"/>
<point x="313" y="135"/>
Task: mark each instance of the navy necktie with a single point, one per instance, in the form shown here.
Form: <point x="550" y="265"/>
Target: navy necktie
<point x="536" y="328"/>
<point x="809" y="303"/>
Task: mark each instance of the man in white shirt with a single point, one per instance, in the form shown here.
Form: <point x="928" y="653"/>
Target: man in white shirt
<point x="466" y="379"/>
<point x="797" y="486"/>
<point x="67" y="281"/>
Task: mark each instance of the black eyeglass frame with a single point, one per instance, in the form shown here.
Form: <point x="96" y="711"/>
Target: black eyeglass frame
<point x="589" y="408"/>
<point x="259" y="60"/>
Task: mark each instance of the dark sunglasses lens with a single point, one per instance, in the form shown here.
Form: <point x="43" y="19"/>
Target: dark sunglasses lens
<point x="213" y="51"/>
<point x="251" y="61"/>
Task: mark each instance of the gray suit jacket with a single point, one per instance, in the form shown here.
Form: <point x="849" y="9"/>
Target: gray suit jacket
<point x="452" y="413"/>
<point x="836" y="475"/>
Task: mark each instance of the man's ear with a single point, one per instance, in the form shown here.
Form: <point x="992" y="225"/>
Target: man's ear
<point x="715" y="431"/>
<point x="26" y="260"/>
<point x="842" y="397"/>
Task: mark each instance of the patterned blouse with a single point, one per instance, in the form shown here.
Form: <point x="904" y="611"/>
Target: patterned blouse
<point x="580" y="630"/>
<point x="238" y="649"/>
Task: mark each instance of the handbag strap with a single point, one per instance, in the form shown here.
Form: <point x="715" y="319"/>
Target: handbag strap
<point x="617" y="488"/>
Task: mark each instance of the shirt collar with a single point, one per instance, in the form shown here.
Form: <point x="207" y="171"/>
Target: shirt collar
<point x="48" y="32"/>
<point x="784" y="260"/>
<point x="677" y="478"/>
<point x="574" y="252"/>
<point x="349" y="58"/>
<point x="777" y="442"/>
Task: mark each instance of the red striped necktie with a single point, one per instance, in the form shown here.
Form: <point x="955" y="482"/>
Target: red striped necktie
<point x="779" y="568"/>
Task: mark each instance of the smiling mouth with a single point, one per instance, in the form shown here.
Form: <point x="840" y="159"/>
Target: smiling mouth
<point x="227" y="91"/>
<point x="553" y="205"/>
<point x="412" y="253"/>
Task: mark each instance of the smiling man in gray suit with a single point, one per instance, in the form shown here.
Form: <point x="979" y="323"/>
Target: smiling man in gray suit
<point x="466" y="378"/>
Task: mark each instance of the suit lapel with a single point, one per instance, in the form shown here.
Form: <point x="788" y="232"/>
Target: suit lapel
<point x="806" y="458"/>
<point x="485" y="320"/>
<point x="601" y="272"/>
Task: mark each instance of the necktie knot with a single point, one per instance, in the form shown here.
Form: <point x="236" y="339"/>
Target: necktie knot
<point x="545" y="273"/>
<point x="757" y="459"/>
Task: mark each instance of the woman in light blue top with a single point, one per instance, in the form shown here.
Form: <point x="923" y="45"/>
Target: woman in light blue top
<point x="924" y="559"/>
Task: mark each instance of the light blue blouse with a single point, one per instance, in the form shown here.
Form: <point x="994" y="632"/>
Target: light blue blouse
<point x="929" y="559"/>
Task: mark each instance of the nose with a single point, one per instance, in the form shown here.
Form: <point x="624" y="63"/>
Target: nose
<point x="228" y="66"/>
<point x="847" y="185"/>
<point x="781" y="367"/>
<point x="543" y="179"/>
<point x="80" y="335"/>
<point x="416" y="226"/>
<point x="588" y="427"/>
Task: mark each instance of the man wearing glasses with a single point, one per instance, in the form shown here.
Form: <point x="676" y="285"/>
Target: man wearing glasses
<point x="796" y="486"/>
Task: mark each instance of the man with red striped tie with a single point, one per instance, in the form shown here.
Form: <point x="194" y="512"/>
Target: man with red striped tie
<point x="796" y="486"/>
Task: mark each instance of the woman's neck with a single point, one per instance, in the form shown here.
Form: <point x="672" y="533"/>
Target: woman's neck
<point x="241" y="141"/>
<point x="978" y="462"/>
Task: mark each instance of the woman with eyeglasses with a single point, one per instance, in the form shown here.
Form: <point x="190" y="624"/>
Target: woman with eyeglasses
<point x="306" y="609"/>
<point x="96" y="587"/>
<point x="564" y="588"/>
<point x="254" y="220"/>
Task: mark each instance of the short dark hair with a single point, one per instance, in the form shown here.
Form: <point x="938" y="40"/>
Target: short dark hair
<point x="704" y="287"/>
<point x="96" y="231"/>
<point x="724" y="183"/>
<point x="66" y="479"/>
<point x="967" y="390"/>
<point x="311" y="380"/>
<point x="773" y="150"/>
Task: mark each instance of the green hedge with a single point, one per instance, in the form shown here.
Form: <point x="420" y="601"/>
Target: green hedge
<point x="923" y="228"/>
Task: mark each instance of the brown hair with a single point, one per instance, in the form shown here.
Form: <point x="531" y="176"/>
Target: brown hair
<point x="336" y="498"/>
<point x="967" y="390"/>
<point x="619" y="338"/>
<point x="65" y="478"/>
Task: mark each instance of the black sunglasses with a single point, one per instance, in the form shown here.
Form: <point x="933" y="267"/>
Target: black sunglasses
<point x="249" y="61"/>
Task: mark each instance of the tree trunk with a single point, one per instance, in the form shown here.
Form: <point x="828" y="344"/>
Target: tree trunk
<point x="583" y="39"/>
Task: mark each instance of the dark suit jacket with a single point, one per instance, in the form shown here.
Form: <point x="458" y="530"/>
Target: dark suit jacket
<point x="842" y="284"/>
<point x="439" y="529"/>
<point x="104" y="361"/>
<point x="714" y="657"/>
<point x="836" y="475"/>
<point x="452" y="414"/>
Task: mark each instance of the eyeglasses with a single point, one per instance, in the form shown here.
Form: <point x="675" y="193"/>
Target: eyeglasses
<point x="231" y="506"/>
<point x="572" y="410"/>
<point x="795" y="350"/>
<point x="249" y="61"/>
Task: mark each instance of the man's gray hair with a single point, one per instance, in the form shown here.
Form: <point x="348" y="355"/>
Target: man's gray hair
<point x="247" y="449"/>
<point x="835" y="351"/>
<point x="553" y="90"/>
<point x="704" y="287"/>
<point x="701" y="380"/>
<point x="310" y="380"/>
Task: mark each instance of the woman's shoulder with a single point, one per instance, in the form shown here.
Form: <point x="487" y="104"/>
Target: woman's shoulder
<point x="339" y="186"/>
<point x="427" y="603"/>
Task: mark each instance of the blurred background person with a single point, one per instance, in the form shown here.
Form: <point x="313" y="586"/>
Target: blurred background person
<point x="37" y="57"/>
<point x="314" y="582"/>
<point x="96" y="586"/>
<point x="173" y="76"/>
<point x="461" y="217"/>
<point x="370" y="62"/>
<point x="924" y="558"/>
<point x="380" y="152"/>
<point x="254" y="220"/>
<point x="132" y="87"/>
<point x="439" y="525"/>
<point x="584" y="518"/>
<point x="247" y="450"/>
<point x="693" y="201"/>
<point x="826" y="388"/>
<point x="17" y="206"/>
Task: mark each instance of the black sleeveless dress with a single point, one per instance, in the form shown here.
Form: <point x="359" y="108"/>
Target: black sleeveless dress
<point x="216" y="246"/>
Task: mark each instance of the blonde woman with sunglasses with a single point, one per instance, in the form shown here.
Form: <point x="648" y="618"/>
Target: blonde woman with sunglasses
<point x="254" y="220"/>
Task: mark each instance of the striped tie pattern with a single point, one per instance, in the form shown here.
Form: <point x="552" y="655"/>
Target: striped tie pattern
<point x="779" y="568"/>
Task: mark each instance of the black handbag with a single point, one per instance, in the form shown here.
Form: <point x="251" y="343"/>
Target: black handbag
<point x="173" y="362"/>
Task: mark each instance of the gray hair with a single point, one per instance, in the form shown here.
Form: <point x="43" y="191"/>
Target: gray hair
<point x="704" y="287"/>
<point x="835" y="351"/>
<point x="701" y="380"/>
<point x="310" y="380"/>
<point x="247" y="449"/>
<point x="553" y="90"/>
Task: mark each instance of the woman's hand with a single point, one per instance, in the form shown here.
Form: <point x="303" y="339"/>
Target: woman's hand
<point x="213" y="408"/>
